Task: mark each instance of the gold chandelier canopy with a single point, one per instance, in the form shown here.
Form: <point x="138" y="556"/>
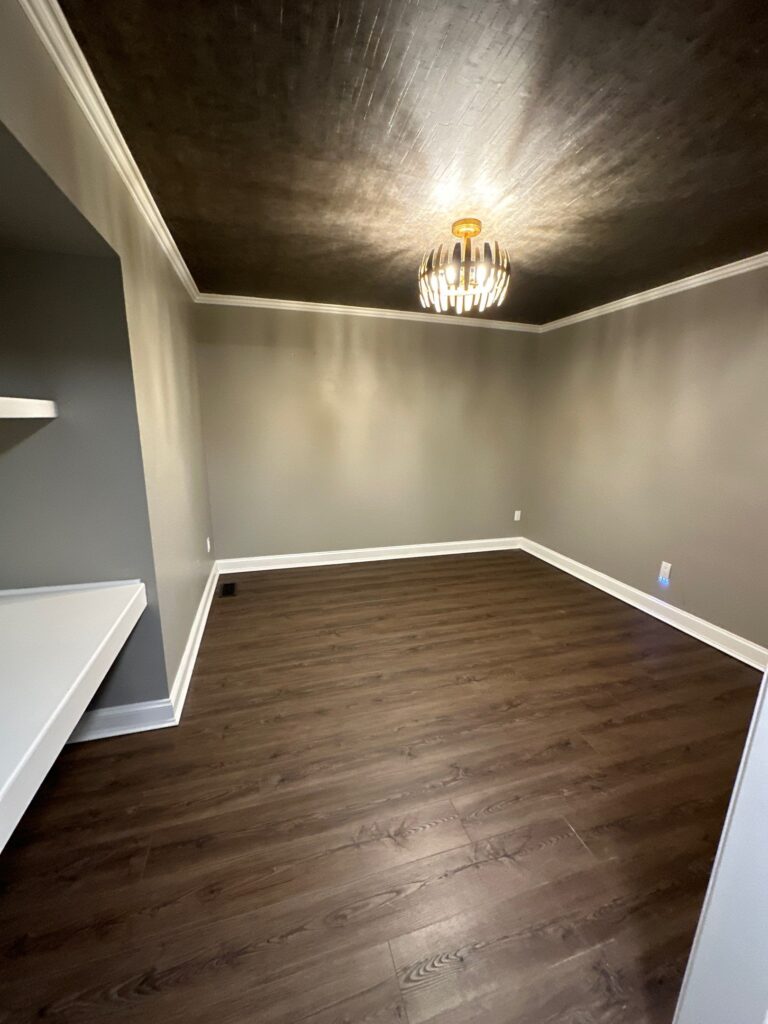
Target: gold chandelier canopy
<point x="471" y="276"/>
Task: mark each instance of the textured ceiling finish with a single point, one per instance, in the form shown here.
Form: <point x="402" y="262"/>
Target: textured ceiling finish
<point x="313" y="150"/>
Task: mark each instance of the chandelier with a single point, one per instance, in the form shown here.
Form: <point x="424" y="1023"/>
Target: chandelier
<point x="470" y="277"/>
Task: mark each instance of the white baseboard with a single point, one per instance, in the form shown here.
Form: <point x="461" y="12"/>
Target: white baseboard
<point x="189" y="657"/>
<point x="125" y="718"/>
<point x="729" y="643"/>
<point x="723" y="640"/>
<point x="261" y="563"/>
<point x="153" y="714"/>
<point x="159" y="714"/>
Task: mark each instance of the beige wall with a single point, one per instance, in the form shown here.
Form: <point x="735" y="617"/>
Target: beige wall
<point x="650" y="433"/>
<point x="327" y="431"/>
<point x="39" y="110"/>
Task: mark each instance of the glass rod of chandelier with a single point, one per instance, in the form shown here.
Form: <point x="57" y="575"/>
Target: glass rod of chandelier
<point x="473" y="277"/>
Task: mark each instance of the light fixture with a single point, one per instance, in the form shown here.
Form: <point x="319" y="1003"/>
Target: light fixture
<point x="469" y="277"/>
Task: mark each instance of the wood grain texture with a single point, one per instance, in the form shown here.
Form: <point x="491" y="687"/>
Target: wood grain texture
<point x="315" y="150"/>
<point x="457" y="789"/>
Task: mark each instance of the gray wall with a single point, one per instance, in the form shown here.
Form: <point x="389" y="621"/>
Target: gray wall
<point x="39" y="110"/>
<point x="627" y="439"/>
<point x="72" y="500"/>
<point x="326" y="431"/>
<point x="650" y="438"/>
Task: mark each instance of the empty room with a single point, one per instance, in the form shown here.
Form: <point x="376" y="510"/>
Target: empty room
<point x="383" y="512"/>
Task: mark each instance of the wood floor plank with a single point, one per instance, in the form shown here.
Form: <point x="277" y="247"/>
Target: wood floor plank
<point x="231" y="866"/>
<point x="599" y="780"/>
<point x="472" y="966"/>
<point x="457" y="789"/>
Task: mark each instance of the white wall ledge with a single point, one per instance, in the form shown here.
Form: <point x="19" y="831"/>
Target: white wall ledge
<point x="27" y="409"/>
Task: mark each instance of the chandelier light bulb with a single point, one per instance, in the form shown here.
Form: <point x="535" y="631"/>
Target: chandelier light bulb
<point x="464" y="276"/>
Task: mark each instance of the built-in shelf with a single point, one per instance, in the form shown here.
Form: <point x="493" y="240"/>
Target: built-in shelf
<point x="56" y="646"/>
<point x="27" y="409"/>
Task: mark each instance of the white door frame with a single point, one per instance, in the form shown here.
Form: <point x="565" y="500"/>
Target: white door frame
<point x="726" y="981"/>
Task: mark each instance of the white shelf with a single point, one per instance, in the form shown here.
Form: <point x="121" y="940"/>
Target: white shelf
<point x="56" y="646"/>
<point x="27" y="409"/>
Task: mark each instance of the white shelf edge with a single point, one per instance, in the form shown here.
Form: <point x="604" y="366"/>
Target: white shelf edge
<point x="18" y="789"/>
<point x="58" y="587"/>
<point x="27" y="409"/>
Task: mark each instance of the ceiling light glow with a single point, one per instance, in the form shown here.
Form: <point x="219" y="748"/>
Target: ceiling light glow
<point x="465" y="276"/>
<point x="446" y="191"/>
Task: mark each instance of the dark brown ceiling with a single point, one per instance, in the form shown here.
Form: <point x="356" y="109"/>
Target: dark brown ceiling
<point x="313" y="150"/>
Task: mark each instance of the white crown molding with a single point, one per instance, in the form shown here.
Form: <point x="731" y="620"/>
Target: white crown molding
<point x="51" y="26"/>
<point x="744" y="266"/>
<point x="683" y="285"/>
<point x="291" y="305"/>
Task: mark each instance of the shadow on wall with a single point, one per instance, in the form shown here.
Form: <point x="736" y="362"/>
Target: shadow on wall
<point x="14" y="432"/>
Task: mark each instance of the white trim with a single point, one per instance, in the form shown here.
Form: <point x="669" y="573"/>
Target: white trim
<point x="65" y="685"/>
<point x="294" y="306"/>
<point x="125" y="718"/>
<point x="14" y="591"/>
<point x="189" y="657"/>
<point x="159" y="714"/>
<point x="744" y="266"/>
<point x="729" y="643"/>
<point x="27" y="409"/>
<point x="262" y="563"/>
<point x="682" y="285"/>
<point x="736" y="646"/>
<point x="757" y="714"/>
<point x="51" y="26"/>
<point x="153" y="714"/>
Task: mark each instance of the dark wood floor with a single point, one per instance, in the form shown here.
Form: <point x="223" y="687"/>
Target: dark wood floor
<point x="466" y="790"/>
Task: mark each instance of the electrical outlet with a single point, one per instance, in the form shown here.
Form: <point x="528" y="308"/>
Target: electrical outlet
<point x="518" y="516"/>
<point x="664" y="573"/>
<point x="208" y="545"/>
